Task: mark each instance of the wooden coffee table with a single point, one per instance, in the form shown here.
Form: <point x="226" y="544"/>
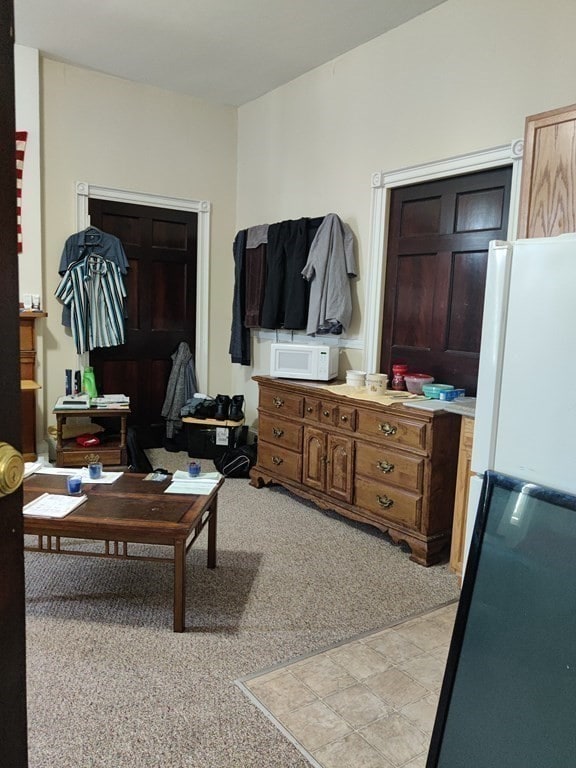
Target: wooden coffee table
<point x="128" y="511"/>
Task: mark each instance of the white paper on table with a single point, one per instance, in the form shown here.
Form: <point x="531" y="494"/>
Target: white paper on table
<point x="107" y="477"/>
<point x="31" y="467"/>
<point x="194" y="489"/>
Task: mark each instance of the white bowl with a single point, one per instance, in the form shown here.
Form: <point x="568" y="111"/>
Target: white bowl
<point x="356" y="378"/>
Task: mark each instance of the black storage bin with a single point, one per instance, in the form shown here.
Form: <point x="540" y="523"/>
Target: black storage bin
<point x="208" y="441"/>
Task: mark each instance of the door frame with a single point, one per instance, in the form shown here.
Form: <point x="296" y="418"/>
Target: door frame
<point x="85" y="191"/>
<point x="382" y="183"/>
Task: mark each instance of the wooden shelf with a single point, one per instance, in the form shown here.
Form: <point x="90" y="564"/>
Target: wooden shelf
<point x="28" y="385"/>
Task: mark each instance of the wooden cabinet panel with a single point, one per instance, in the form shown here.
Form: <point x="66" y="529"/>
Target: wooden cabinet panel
<point x="339" y="474"/>
<point x="548" y="188"/>
<point x="372" y="463"/>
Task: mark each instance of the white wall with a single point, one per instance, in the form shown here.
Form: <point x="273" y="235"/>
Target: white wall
<point x="459" y="79"/>
<point x="113" y="133"/>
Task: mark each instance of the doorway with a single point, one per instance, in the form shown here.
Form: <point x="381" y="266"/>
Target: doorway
<point x="162" y="250"/>
<point x="438" y="238"/>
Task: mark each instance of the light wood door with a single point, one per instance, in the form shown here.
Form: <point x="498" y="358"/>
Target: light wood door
<point x="461" y="497"/>
<point x="548" y="189"/>
<point x="13" y="725"/>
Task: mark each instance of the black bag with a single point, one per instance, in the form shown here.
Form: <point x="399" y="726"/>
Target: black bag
<point x="237" y="462"/>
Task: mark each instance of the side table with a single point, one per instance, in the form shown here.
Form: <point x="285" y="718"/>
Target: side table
<point x="111" y="453"/>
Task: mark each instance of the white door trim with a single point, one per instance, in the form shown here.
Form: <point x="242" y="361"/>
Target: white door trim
<point x="382" y="184"/>
<point x="84" y="191"/>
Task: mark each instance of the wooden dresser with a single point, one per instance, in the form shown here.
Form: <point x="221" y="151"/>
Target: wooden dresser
<point x="389" y="466"/>
<point x="28" y="383"/>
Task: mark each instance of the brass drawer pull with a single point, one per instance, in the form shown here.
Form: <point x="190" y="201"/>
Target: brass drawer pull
<point x="385" y="466"/>
<point x="326" y="413"/>
<point x="278" y="402"/>
<point x="387" y="428"/>
<point x="277" y="460"/>
<point x="385" y="501"/>
<point x="309" y="409"/>
<point x="277" y="432"/>
<point x="344" y="419"/>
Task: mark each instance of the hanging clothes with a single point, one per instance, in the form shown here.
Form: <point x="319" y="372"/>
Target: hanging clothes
<point x="329" y="267"/>
<point x="181" y="383"/>
<point x="85" y="243"/>
<point x="286" y="295"/>
<point x="93" y="289"/>
<point x="255" y="274"/>
<point x="239" y="347"/>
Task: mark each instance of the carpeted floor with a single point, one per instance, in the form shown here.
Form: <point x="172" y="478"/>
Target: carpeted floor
<point x="109" y="683"/>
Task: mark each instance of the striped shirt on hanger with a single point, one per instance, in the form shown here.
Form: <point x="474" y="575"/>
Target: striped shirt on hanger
<point x="94" y="290"/>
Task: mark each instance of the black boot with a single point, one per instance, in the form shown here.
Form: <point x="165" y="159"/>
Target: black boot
<point x="236" y="412"/>
<point x="222" y="407"/>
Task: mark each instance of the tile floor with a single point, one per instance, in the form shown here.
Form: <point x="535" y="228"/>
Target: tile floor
<point x="367" y="703"/>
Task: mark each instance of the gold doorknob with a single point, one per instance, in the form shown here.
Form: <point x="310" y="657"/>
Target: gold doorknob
<point x="11" y="469"/>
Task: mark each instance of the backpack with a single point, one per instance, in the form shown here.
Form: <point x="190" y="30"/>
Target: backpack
<point x="237" y="462"/>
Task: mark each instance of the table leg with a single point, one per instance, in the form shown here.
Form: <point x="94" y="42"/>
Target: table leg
<point x="179" y="585"/>
<point x="212" y="525"/>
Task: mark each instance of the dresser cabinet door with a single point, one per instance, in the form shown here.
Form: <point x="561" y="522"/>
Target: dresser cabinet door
<point x="314" y="469"/>
<point x="339" y="467"/>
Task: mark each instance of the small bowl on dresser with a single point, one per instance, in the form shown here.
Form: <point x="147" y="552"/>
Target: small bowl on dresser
<point x="415" y="382"/>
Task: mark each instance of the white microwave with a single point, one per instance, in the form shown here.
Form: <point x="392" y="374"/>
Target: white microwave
<point x="317" y="362"/>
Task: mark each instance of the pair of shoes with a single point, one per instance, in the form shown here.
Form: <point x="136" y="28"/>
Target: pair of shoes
<point x="229" y="407"/>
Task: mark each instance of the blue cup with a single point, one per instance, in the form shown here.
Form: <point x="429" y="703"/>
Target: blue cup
<point x="194" y="468"/>
<point x="95" y="470"/>
<point x="74" y="484"/>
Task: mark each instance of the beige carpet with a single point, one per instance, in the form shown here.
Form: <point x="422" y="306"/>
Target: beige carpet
<point x="109" y="683"/>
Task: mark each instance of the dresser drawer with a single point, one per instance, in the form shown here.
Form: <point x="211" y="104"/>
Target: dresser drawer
<point x="392" y="430"/>
<point x="346" y="418"/>
<point x="283" y="403"/>
<point x="273" y="429"/>
<point x="382" y="464"/>
<point x="388" y="502"/>
<point x="280" y="461"/>
<point x="320" y="411"/>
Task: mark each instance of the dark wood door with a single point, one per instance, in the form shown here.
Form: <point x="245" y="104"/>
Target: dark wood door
<point x="436" y="270"/>
<point x="161" y="246"/>
<point x="13" y="746"/>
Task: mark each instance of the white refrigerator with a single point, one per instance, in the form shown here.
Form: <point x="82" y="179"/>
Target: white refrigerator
<point x="525" y="419"/>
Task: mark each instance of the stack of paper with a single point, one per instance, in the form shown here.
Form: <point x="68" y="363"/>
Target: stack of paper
<point x="201" y="485"/>
<point x="53" y="505"/>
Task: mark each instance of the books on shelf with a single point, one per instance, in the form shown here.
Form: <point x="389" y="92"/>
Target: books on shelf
<point x="72" y="403"/>
<point x="53" y="505"/>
